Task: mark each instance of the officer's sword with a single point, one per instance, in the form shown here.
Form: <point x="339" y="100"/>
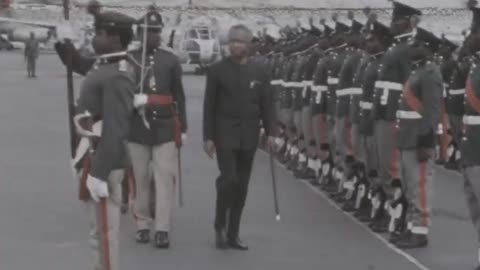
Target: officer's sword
<point x="180" y="189"/>
<point x="142" y="73"/>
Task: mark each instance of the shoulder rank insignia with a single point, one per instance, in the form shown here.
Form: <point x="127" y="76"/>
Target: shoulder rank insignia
<point x="152" y="83"/>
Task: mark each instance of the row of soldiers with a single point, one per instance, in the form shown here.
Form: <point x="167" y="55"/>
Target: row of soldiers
<point x="361" y="109"/>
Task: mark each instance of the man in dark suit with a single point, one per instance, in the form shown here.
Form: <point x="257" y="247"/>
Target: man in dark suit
<point x="237" y="99"/>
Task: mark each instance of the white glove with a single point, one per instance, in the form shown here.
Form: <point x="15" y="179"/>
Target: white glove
<point x="184" y="137"/>
<point x="140" y="100"/>
<point x="65" y="31"/>
<point x="98" y="188"/>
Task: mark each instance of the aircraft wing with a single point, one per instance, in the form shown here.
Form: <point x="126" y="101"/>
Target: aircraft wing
<point x="31" y="23"/>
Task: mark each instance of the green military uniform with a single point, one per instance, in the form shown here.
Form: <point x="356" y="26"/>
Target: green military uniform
<point x="107" y="95"/>
<point x="310" y="127"/>
<point x="31" y="56"/>
<point x="393" y="72"/>
<point x="471" y="135"/>
<point x="278" y="93"/>
<point x="297" y="87"/>
<point x="454" y="101"/>
<point x="418" y="117"/>
<point x="319" y="97"/>
<point x="359" y="142"/>
<point x="286" y="111"/>
<point x="344" y="94"/>
<point x="155" y="135"/>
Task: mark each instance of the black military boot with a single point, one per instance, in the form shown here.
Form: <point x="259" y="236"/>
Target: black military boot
<point x="162" y="240"/>
<point x="398" y="213"/>
<point x="453" y="157"/>
<point x="143" y="236"/>
<point x="412" y="240"/>
<point x="380" y="220"/>
<point x="237" y="244"/>
<point x="300" y="170"/>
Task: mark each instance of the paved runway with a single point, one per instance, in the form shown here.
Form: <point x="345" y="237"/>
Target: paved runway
<point x="43" y="226"/>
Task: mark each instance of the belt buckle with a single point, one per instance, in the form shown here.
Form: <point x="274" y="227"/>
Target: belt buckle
<point x="384" y="97"/>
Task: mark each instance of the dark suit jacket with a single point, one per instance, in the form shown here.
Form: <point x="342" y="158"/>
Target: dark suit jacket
<point x="237" y="99"/>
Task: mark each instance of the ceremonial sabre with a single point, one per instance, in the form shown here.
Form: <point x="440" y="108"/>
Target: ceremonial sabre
<point x="180" y="190"/>
<point x="274" y="185"/>
<point x="142" y="75"/>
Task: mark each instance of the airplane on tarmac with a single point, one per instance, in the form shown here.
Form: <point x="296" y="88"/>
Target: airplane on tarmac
<point x="195" y="43"/>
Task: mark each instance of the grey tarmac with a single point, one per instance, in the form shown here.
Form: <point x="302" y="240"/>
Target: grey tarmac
<point x="44" y="227"/>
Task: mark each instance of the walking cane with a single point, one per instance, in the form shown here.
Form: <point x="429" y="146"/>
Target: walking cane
<point x="180" y="189"/>
<point x="274" y="185"/>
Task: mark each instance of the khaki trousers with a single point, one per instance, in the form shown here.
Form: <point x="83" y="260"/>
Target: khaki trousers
<point x="163" y="160"/>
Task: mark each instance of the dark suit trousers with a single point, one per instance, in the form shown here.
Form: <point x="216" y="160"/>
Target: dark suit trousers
<point x="232" y="187"/>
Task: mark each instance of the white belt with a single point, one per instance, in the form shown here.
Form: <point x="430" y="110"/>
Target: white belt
<point x="276" y="82"/>
<point x="471" y="120"/>
<point x="319" y="88"/>
<point x="296" y="84"/>
<point x="389" y="85"/>
<point x="292" y="84"/>
<point x="307" y="83"/>
<point x="408" y="115"/>
<point x="286" y="84"/>
<point x="456" y="92"/>
<point x="366" y="105"/>
<point x="349" y="91"/>
<point x="332" y="81"/>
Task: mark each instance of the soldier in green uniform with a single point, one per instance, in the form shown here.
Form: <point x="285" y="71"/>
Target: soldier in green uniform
<point x="378" y="40"/>
<point x="393" y="72"/>
<point x="31" y="55"/>
<point x="339" y="43"/>
<point x="106" y="98"/>
<point x="456" y="73"/>
<point x="418" y="117"/>
<point x="346" y="91"/>
<point x="447" y="64"/>
<point x="470" y="143"/>
<point x="286" y="112"/>
<point x="319" y="88"/>
<point x="157" y="130"/>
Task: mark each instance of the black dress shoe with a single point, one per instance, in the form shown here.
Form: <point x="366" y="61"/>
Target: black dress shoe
<point x="237" y="244"/>
<point x="161" y="240"/>
<point x="396" y="236"/>
<point x="379" y="225"/>
<point x="410" y="241"/>
<point x="143" y="236"/>
<point x="220" y="240"/>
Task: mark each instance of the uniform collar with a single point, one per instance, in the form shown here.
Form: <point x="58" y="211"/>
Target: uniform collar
<point x="406" y="36"/>
<point x="421" y="63"/>
<point x="112" y="57"/>
<point x="378" y="55"/>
